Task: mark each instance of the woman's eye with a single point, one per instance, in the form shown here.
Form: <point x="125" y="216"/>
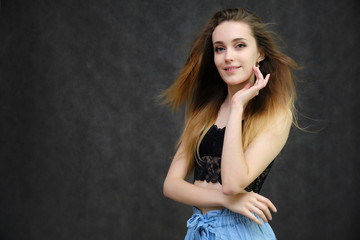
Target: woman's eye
<point x="219" y="49"/>
<point x="241" y="45"/>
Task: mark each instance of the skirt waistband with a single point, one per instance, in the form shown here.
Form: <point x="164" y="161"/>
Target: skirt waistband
<point x="219" y="217"/>
<point x="226" y="224"/>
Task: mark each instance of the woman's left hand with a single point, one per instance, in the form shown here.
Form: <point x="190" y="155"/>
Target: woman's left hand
<point x="243" y="96"/>
<point x="248" y="203"/>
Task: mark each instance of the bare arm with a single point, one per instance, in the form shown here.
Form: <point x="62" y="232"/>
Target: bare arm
<point x="238" y="167"/>
<point x="176" y="188"/>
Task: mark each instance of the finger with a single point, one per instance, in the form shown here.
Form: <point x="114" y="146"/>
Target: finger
<point x="260" y="213"/>
<point x="267" y="77"/>
<point x="266" y="80"/>
<point x="258" y="74"/>
<point x="247" y="86"/>
<point x="264" y="209"/>
<point x="261" y="82"/>
<point x="260" y="78"/>
<point x="252" y="217"/>
<point x="267" y="202"/>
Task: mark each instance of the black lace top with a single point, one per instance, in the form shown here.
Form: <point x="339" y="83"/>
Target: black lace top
<point x="208" y="167"/>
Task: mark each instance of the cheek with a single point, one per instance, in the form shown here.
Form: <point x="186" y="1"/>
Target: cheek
<point x="217" y="61"/>
<point x="248" y="67"/>
<point x="249" y="70"/>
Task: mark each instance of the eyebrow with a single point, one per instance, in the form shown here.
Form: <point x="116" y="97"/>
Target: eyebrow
<point x="234" y="40"/>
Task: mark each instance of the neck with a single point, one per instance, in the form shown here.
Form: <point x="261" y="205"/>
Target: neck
<point x="232" y="89"/>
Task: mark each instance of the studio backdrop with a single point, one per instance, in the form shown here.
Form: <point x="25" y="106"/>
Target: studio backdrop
<point x="85" y="144"/>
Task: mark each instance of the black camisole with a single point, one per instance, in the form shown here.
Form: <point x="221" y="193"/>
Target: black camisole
<point x="208" y="167"/>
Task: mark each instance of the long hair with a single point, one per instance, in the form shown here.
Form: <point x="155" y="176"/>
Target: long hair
<point x="202" y="89"/>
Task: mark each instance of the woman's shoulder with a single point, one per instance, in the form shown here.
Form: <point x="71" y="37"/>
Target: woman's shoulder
<point x="280" y="121"/>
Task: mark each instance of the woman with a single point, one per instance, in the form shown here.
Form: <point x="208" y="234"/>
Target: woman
<point x="239" y="96"/>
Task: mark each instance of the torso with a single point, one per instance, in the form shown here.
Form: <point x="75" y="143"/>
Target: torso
<point x="207" y="168"/>
<point x="220" y="125"/>
<point x="210" y="185"/>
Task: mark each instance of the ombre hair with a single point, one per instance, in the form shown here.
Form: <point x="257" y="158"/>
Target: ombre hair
<point x="201" y="88"/>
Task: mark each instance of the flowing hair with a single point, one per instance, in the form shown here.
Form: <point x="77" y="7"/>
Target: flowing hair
<point x="201" y="88"/>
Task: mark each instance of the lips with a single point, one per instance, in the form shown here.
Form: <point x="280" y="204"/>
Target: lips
<point x="231" y="68"/>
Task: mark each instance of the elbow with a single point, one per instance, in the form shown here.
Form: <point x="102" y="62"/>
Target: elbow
<point x="228" y="191"/>
<point x="231" y="189"/>
<point x="167" y="189"/>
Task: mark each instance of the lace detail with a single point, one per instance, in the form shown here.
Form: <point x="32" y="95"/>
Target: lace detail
<point x="209" y="169"/>
<point x="256" y="185"/>
<point x="218" y="128"/>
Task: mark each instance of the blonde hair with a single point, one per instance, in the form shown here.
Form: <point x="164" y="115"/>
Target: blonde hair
<point x="202" y="89"/>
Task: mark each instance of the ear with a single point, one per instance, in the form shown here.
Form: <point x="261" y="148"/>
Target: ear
<point x="261" y="56"/>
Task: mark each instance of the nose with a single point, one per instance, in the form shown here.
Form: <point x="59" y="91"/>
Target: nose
<point x="229" y="55"/>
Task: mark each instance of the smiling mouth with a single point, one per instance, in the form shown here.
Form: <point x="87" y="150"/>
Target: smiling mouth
<point x="230" y="69"/>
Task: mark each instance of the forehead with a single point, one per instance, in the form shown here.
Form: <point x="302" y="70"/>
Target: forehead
<point x="229" y="30"/>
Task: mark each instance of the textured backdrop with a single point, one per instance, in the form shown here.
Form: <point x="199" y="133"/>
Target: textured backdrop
<point x="85" y="145"/>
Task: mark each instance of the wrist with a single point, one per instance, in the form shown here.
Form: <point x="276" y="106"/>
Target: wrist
<point x="237" y="106"/>
<point x="236" y="112"/>
<point x="222" y="198"/>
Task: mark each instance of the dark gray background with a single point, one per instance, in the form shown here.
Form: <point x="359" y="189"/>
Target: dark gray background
<point x="85" y="145"/>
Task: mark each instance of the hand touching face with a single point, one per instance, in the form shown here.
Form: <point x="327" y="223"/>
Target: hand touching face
<point x="240" y="99"/>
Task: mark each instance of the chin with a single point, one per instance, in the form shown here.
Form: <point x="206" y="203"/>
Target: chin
<point x="234" y="81"/>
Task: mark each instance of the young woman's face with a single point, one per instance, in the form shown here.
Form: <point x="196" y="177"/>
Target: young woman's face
<point x="235" y="52"/>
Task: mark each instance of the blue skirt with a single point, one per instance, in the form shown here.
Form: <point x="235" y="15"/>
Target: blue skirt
<point x="224" y="224"/>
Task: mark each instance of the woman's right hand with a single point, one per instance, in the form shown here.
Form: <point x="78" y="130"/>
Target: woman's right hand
<point x="243" y="96"/>
<point x="248" y="203"/>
